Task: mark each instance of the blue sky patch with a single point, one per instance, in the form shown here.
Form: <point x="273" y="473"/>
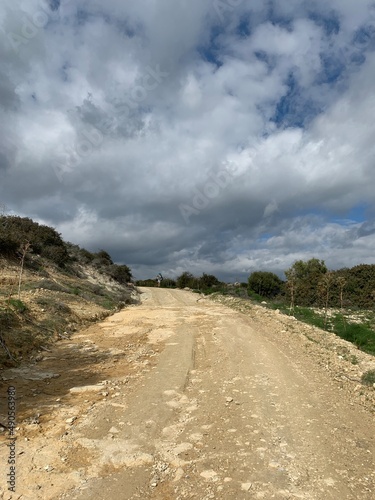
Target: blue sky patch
<point x="333" y="69"/>
<point x="243" y="28"/>
<point x="295" y="109"/>
<point x="357" y="213"/>
<point x="330" y="25"/>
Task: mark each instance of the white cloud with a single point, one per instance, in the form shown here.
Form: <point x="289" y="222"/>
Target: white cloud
<point x="223" y="100"/>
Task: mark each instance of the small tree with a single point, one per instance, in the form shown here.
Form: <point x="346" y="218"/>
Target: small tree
<point x="324" y="289"/>
<point x="25" y="247"/>
<point x="307" y="276"/>
<point x="341" y="282"/>
<point x="291" y="286"/>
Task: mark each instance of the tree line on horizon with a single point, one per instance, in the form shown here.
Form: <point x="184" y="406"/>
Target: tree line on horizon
<point x="308" y="283"/>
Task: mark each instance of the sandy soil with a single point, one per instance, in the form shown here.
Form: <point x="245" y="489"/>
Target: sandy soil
<point x="181" y="398"/>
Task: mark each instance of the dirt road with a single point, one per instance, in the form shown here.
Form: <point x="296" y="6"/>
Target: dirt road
<point x="190" y="399"/>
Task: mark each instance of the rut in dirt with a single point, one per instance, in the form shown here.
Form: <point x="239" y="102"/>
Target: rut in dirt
<point x="236" y="407"/>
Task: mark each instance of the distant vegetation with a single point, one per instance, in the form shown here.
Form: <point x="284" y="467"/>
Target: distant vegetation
<point x="340" y="301"/>
<point x="152" y="282"/>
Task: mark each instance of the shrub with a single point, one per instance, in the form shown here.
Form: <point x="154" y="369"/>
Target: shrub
<point x="8" y="247"/>
<point x="53" y="305"/>
<point x="120" y="273"/>
<point x="168" y="283"/>
<point x="86" y="256"/>
<point x="102" y="258"/>
<point x="51" y="285"/>
<point x="368" y="378"/>
<point x="185" y="280"/>
<point x="208" y="280"/>
<point x="265" y="284"/>
<point x="15" y="231"/>
<point x="57" y="254"/>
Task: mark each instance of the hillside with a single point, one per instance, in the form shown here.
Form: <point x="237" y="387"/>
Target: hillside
<point x="58" y="289"/>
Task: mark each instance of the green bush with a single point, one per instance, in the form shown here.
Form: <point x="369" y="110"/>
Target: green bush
<point x="57" y="254"/>
<point x="44" y="240"/>
<point x="8" y="247"/>
<point x="368" y="378"/>
<point x="168" y="283"/>
<point x="265" y="284"/>
<point x="206" y="281"/>
<point x="120" y="273"/>
<point x="186" y="279"/>
<point x="86" y="256"/>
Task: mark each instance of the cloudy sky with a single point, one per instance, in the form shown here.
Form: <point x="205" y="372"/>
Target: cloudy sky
<point x="218" y="136"/>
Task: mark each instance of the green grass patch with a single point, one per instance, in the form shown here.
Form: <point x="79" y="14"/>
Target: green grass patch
<point x="213" y="289"/>
<point x="18" y="305"/>
<point x="108" y="304"/>
<point x="255" y="296"/>
<point x="362" y="335"/>
<point x="359" y="334"/>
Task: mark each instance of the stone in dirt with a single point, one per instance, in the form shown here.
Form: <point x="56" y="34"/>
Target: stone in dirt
<point x="28" y="373"/>
<point x="246" y="486"/>
<point x="86" y="388"/>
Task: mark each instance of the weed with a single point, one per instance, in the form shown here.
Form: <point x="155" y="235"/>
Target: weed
<point x="108" y="304"/>
<point x="368" y="378"/>
<point x="354" y="360"/>
<point x="254" y="296"/>
<point x="53" y="305"/>
<point x="18" y="305"/>
<point x="51" y="285"/>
